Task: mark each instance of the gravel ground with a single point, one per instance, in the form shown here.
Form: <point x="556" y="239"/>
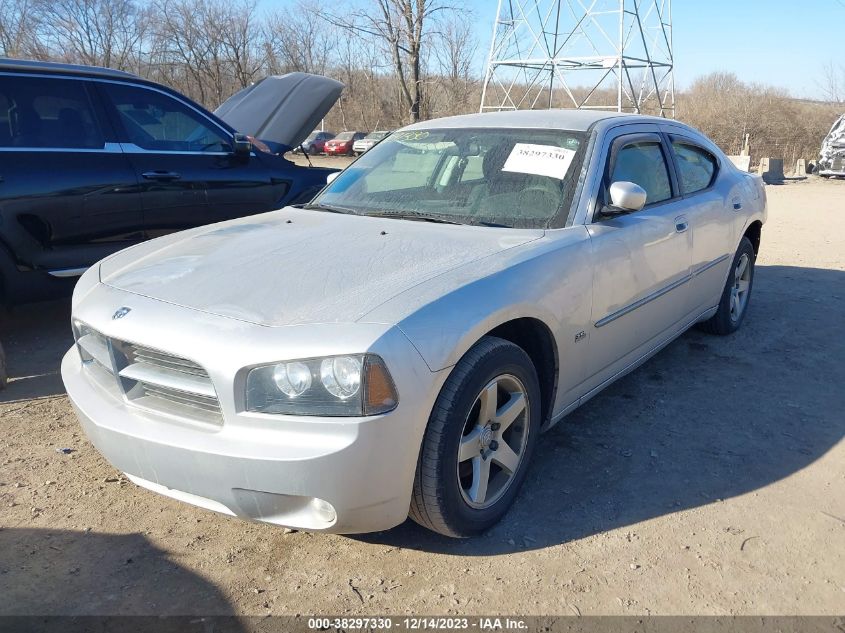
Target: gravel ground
<point x="709" y="481"/>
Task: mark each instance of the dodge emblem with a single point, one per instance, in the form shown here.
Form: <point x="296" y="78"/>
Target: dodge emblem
<point x="122" y="312"/>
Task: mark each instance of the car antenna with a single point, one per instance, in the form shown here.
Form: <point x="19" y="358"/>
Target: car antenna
<point x="307" y="157"/>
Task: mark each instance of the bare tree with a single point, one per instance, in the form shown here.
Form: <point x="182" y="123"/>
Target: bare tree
<point x="240" y="39"/>
<point x="726" y="109"/>
<point x="400" y="26"/>
<point x="209" y="48"/>
<point x="298" y="40"/>
<point x="95" y="32"/>
<point x="455" y="50"/>
<point x="18" y="28"/>
<point x="833" y="82"/>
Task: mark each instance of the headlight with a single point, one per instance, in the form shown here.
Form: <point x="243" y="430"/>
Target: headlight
<point x="332" y="386"/>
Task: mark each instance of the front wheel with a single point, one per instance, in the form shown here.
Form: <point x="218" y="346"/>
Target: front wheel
<point x="479" y="441"/>
<point x="736" y="293"/>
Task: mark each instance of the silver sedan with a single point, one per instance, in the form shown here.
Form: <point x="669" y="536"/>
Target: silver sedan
<point x="399" y="345"/>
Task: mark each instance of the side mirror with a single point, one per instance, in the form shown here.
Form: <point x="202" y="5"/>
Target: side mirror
<point x="241" y="145"/>
<point x="330" y="178"/>
<point x="625" y="196"/>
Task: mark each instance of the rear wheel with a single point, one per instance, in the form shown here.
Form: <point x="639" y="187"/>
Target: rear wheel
<point x="736" y="294"/>
<point x="479" y="441"/>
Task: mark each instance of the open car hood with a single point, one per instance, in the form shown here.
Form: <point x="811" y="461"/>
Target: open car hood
<point x="283" y="109"/>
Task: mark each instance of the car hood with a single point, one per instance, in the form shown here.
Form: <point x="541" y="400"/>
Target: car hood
<point x="294" y="266"/>
<point x="283" y="109"/>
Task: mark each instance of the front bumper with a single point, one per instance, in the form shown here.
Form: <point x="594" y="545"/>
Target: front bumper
<point x="339" y="475"/>
<point x="832" y="167"/>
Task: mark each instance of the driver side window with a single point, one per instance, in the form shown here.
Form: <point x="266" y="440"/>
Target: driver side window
<point x="643" y="164"/>
<point x="157" y="122"/>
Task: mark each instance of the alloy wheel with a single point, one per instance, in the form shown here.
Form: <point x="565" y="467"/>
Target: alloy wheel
<point x="742" y="283"/>
<point x="494" y="441"/>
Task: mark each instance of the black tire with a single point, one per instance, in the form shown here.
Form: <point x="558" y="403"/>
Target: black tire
<point x="439" y="502"/>
<point x="724" y="321"/>
<point x="3" y="375"/>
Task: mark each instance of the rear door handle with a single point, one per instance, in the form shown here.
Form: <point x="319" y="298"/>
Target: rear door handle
<point x="161" y="175"/>
<point x="737" y="204"/>
<point x="681" y="224"/>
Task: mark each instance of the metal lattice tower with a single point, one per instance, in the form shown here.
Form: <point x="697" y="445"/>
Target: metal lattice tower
<point x="601" y="54"/>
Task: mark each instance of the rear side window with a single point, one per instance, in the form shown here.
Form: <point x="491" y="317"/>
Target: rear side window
<point x="47" y="113"/>
<point x="642" y="163"/>
<point x="157" y="122"/>
<point x="696" y="167"/>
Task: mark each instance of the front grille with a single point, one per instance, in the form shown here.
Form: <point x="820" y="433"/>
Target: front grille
<point x="183" y="403"/>
<point x="138" y="354"/>
<point x="150" y="378"/>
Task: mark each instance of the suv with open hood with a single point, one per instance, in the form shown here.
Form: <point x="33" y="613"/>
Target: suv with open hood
<point x="94" y="160"/>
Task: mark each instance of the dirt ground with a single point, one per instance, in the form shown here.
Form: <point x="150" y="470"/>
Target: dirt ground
<point x="709" y="481"/>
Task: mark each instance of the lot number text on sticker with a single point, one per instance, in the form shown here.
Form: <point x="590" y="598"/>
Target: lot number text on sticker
<point x="540" y="160"/>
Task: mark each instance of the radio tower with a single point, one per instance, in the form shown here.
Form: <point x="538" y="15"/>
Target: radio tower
<point x="601" y="54"/>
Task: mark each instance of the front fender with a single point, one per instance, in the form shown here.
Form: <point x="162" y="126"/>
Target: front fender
<point x="551" y="282"/>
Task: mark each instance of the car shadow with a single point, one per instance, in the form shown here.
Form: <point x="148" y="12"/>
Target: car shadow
<point x="60" y="572"/>
<point x="706" y="419"/>
<point x="35" y="338"/>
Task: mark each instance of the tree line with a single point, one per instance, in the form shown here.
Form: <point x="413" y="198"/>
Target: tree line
<point x="400" y="61"/>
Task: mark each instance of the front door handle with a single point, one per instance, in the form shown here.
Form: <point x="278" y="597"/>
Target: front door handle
<point x="681" y="224"/>
<point x="159" y="174"/>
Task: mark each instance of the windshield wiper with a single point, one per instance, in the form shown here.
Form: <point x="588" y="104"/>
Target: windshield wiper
<point x="330" y="208"/>
<point x="412" y="215"/>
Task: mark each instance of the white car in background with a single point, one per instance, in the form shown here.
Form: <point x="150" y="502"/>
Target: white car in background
<point x="400" y="344"/>
<point x="362" y="145"/>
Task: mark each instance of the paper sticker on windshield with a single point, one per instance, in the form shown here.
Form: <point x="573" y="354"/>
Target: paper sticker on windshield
<point x="539" y="160"/>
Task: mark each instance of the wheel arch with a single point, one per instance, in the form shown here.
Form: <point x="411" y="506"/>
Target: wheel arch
<point x="531" y="333"/>
<point x="536" y="339"/>
<point x="754" y="232"/>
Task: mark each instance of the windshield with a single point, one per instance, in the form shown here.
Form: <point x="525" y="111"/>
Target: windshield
<point x="313" y="136"/>
<point x="376" y="136"/>
<point x="344" y="136"/>
<point x="506" y="177"/>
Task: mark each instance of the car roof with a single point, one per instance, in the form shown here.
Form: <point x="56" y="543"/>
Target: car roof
<point x="26" y="65"/>
<point x="97" y="72"/>
<point x="556" y="119"/>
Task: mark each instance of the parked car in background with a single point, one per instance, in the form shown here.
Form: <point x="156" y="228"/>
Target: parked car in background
<point x="341" y="145"/>
<point x="403" y="340"/>
<point x="362" y="145"/>
<point x="94" y="160"/>
<point x="315" y="143"/>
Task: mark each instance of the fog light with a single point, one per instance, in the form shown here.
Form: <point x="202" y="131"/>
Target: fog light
<point x="324" y="510"/>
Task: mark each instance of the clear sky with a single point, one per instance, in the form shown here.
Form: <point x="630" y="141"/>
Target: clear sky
<point x="784" y="43"/>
